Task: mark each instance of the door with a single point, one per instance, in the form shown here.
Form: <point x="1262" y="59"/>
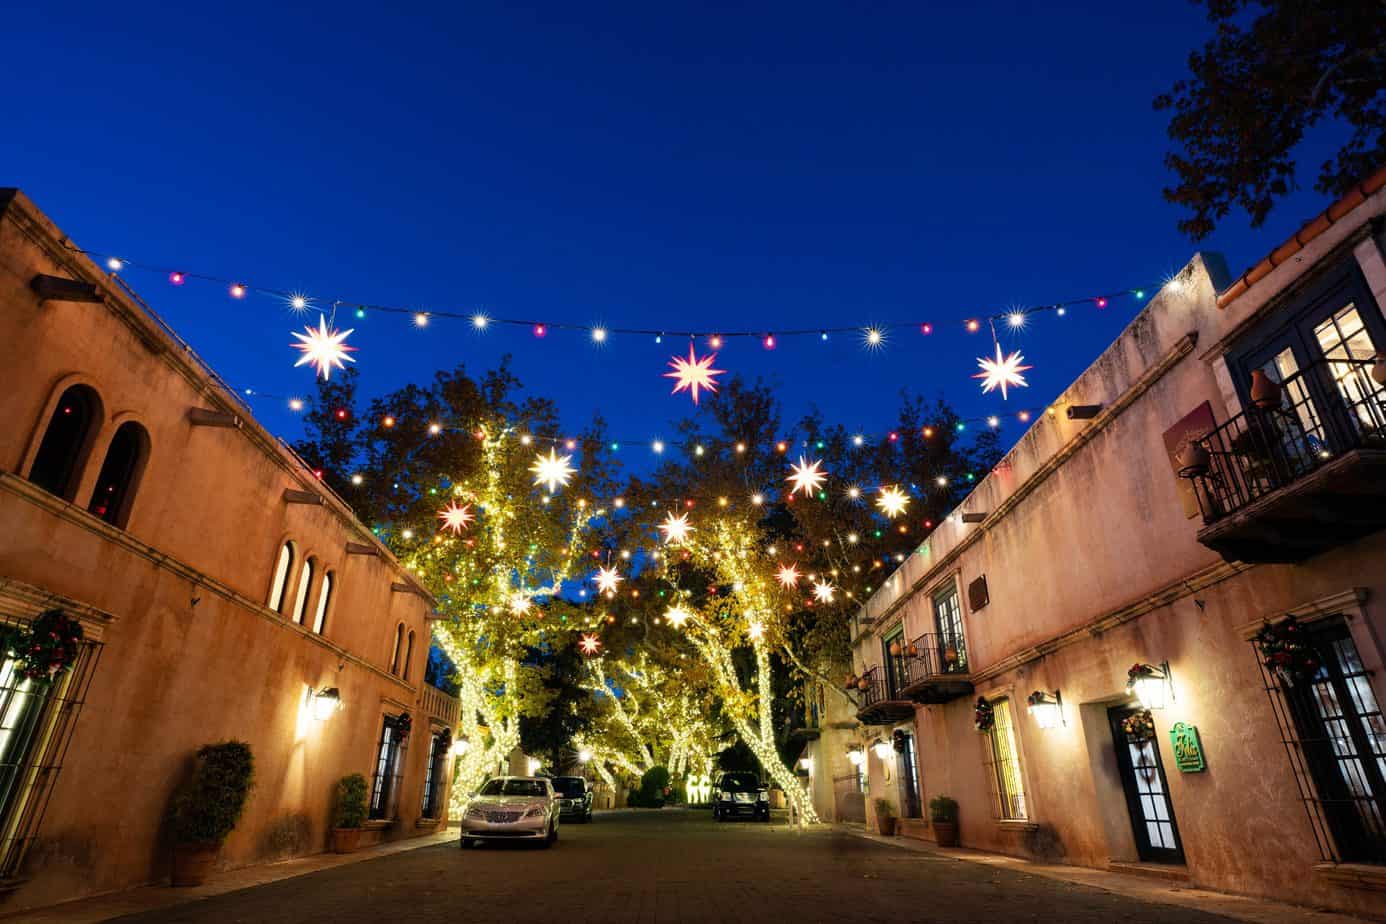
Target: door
<point x="1147" y="794"/>
<point x="894" y="664"/>
<point x="909" y="780"/>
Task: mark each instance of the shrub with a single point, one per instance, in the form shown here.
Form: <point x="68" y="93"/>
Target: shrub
<point x="885" y="808"/>
<point x="652" y="785"/>
<point x="207" y="807"/>
<point x="350" y="809"/>
<point x="943" y="809"/>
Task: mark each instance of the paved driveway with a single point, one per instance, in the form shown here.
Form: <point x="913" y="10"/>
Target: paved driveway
<point x="672" y="866"/>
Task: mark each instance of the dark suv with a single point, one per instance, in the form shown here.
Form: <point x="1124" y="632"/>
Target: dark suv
<point x="574" y="798"/>
<point x="741" y="795"/>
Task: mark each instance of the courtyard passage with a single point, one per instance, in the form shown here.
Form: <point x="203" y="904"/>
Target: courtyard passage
<point x="672" y="866"/>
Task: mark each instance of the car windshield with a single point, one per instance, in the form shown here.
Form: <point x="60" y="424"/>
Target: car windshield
<point x="570" y="786"/>
<point x="740" y="782"/>
<point x="513" y="788"/>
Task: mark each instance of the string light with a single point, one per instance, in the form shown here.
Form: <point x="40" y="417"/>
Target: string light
<point x="806" y="477"/>
<point x="599" y="335"/>
<point x="421" y="319"/>
<point x="237" y="290"/>
<point x="552" y="470"/>
<point x="479" y="321"/>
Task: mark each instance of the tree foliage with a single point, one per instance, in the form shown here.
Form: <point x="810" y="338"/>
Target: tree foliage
<point x="1273" y="71"/>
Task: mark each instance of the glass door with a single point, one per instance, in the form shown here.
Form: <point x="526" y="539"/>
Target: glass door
<point x="894" y="664"/>
<point x="909" y="780"/>
<point x="1147" y="794"/>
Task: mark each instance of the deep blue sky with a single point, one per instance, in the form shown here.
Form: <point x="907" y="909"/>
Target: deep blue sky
<point x="637" y="164"/>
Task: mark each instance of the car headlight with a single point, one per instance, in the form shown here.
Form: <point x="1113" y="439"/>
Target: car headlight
<point x="534" y="811"/>
<point x="725" y="796"/>
<point x="763" y="797"/>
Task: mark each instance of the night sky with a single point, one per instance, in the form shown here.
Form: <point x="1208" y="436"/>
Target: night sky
<point x="644" y="165"/>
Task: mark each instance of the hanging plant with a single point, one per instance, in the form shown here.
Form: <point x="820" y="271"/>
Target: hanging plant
<point x="46" y="648"/>
<point x="985" y="717"/>
<point x="1139" y="726"/>
<point x="1285" y="651"/>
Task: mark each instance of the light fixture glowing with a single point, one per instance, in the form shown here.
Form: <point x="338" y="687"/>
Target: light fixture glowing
<point x="589" y="644"/>
<point x="1150" y="683"/>
<point x="1002" y="372"/>
<point x="237" y="290"/>
<point x="295" y="404"/>
<point x="607" y="579"/>
<point x="479" y="321"/>
<point x="676" y="528"/>
<point x="788" y="576"/>
<point x="657" y="446"/>
<point x="1047" y="708"/>
<point x="883" y="750"/>
<point x="823" y="591"/>
<point x="323" y="349"/>
<point x="757" y="499"/>
<point x="692" y="374"/>
<point x="599" y="335"/>
<point x="756" y="630"/>
<point x="856" y="757"/>
<point x="806" y="477"/>
<point x="177" y="277"/>
<point x="434" y="429"/>
<point x="456" y="517"/>
<point x="873" y="338"/>
<point x="298" y="302"/>
<point x="676" y="616"/>
<point x="1016" y="319"/>
<point x="358" y="480"/>
<point x="552" y="470"/>
<point x="892" y="501"/>
<point x="326" y="702"/>
<point x="584" y="755"/>
<point x="421" y="319"/>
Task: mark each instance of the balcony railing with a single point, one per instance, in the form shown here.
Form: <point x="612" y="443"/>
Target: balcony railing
<point x="934" y="668"/>
<point x="1331" y="415"/>
<point x="882" y="703"/>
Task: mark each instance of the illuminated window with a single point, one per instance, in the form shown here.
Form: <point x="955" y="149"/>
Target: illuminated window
<point x="388" y="763"/>
<point x="1004" y="757"/>
<point x="57" y="467"/>
<point x="282" y="566"/>
<point x="324" y="598"/>
<point x="305" y="579"/>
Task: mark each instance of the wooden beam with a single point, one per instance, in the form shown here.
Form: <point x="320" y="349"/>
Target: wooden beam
<point x="360" y="548"/>
<point x="58" y="289"/>
<point x="207" y="417"/>
<point x="292" y="496"/>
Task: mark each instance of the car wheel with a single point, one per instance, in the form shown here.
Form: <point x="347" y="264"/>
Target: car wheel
<point x="552" y="838"/>
<point x="467" y="842"/>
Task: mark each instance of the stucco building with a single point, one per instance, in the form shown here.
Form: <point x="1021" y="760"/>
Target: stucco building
<point x="223" y="591"/>
<point x="1103" y="543"/>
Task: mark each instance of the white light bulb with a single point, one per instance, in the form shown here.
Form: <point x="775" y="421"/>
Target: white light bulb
<point x="479" y="321"/>
<point x="599" y="335"/>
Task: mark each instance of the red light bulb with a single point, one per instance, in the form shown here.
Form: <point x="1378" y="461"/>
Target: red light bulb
<point x="1102" y="303"/>
<point x="769" y="341"/>
<point x="540" y="330"/>
<point x="926" y="328"/>
<point x="177" y="278"/>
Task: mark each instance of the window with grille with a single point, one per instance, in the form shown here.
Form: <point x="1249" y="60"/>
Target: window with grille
<point x="948" y="620"/>
<point x="1003" y="758"/>
<point x="36" y="723"/>
<point x="388" y="763"/>
<point x="1335" y="737"/>
<point x="434" y="776"/>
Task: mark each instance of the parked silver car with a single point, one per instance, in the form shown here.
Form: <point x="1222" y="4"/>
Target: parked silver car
<point x="512" y="808"/>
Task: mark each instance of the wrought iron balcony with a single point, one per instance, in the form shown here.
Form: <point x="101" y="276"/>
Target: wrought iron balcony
<point x="934" y="669"/>
<point x="882" y="703"/>
<point x="1289" y="480"/>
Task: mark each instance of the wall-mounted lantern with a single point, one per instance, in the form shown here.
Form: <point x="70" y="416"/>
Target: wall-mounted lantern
<point x="1047" y="708"/>
<point x="856" y="757"/>
<point x="584" y="755"/>
<point x="535" y="765"/>
<point x="460" y="747"/>
<point x="326" y="702"/>
<point x="806" y="763"/>
<point x="883" y="749"/>
<point x="1150" y="683"/>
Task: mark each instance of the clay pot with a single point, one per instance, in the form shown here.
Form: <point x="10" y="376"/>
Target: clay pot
<point x="895" y="649"/>
<point x="946" y="833"/>
<point x="1266" y="393"/>
<point x="887" y="826"/>
<point x="344" y="840"/>
<point x="1193" y="460"/>
<point x="851" y="681"/>
<point x="950" y="655"/>
<point x="912" y="650"/>
<point x="192" y="863"/>
<point x="863" y="684"/>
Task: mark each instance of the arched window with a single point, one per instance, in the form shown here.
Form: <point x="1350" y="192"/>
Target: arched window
<point x="305" y="580"/>
<point x="324" y="598"/>
<point x="282" y="567"/>
<point x="58" y="463"/>
<point x="119" y="478"/>
<point x="399" y="647"/>
<point x="408" y="655"/>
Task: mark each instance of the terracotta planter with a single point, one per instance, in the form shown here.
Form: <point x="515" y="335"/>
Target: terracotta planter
<point x="863" y="684"/>
<point x="851" y="681"/>
<point x="192" y="863"/>
<point x="895" y="649"/>
<point x="344" y="840"/>
<point x="950" y="656"/>
<point x="887" y="826"/>
<point x="1193" y="461"/>
<point x="946" y="833"/>
<point x="1266" y="393"/>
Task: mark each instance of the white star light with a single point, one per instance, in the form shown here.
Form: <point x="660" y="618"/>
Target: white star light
<point x="456" y="517"/>
<point x="323" y="349"/>
<point x="607" y="579"/>
<point x="755" y="630"/>
<point x="807" y="478"/>
<point x="676" y="616"/>
<point x="552" y="470"/>
<point x="892" y="501"/>
<point x="589" y="644"/>
<point x="519" y="604"/>
<point x="693" y="373"/>
<point x="789" y="575"/>
<point x="676" y="528"/>
<point x="823" y="592"/>
<point x="1002" y="372"/>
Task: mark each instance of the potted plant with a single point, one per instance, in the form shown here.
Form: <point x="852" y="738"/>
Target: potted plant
<point x="943" y="815"/>
<point x="207" y="807"/>
<point x="885" y="817"/>
<point x="349" y="813"/>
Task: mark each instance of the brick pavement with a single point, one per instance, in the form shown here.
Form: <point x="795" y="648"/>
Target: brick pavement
<point x="673" y="867"/>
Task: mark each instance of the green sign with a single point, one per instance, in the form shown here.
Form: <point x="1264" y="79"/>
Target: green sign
<point x="1188" y="750"/>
